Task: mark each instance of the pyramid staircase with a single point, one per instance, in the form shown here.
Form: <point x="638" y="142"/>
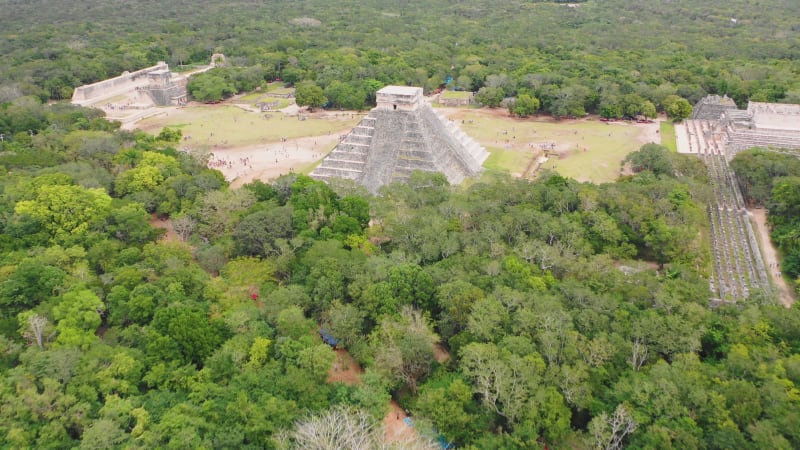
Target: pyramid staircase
<point x="387" y="146"/>
<point x="349" y="158"/>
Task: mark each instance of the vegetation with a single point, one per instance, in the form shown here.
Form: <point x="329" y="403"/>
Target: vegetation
<point x="560" y="331"/>
<point x="668" y="138"/>
<point x="575" y="314"/>
<point x="771" y="179"/>
<point x="573" y="59"/>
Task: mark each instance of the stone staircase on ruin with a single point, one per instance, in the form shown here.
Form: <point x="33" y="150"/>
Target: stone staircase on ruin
<point x="349" y="158"/>
<point x="738" y="265"/>
<point x="387" y="146"/>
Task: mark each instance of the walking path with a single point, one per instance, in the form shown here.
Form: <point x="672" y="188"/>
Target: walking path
<point x="771" y="256"/>
<point x="396" y="422"/>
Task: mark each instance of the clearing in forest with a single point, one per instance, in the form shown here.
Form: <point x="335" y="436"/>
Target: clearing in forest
<point x="226" y="125"/>
<point x="246" y="144"/>
<point x="584" y="149"/>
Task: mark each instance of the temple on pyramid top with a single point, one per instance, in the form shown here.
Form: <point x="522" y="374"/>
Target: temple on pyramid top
<point x="400" y="135"/>
<point x="404" y="98"/>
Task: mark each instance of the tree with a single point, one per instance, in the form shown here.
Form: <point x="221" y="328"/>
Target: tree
<point x="608" y="432"/>
<point x="210" y="87"/>
<point x="66" y="212"/>
<point x="343" y="427"/>
<point x="489" y="96"/>
<point x="192" y="332"/>
<point x="504" y="380"/>
<point x="256" y="233"/>
<point x="677" y="108"/>
<point x="405" y="347"/>
<point x="649" y="110"/>
<point x="77" y="317"/>
<point x="652" y="157"/>
<point x="34" y="327"/>
<point x="525" y="105"/>
<point x="219" y="210"/>
<point x="130" y="223"/>
<point x="307" y="93"/>
<point x="343" y="95"/>
<point x="345" y="322"/>
<point x="570" y="101"/>
<point x="447" y="403"/>
<point x="30" y="283"/>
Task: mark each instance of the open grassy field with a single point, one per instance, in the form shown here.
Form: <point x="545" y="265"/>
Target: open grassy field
<point x="668" y="136"/>
<point x="585" y="149"/>
<point x="253" y="99"/>
<point x="456" y="94"/>
<point x="232" y="126"/>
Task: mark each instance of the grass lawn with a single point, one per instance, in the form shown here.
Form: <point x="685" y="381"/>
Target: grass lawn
<point x="282" y="102"/>
<point x="251" y="97"/>
<point x="280" y="90"/>
<point x="456" y="94"/>
<point x="510" y="160"/>
<point x="668" y="136"/>
<point x="255" y="98"/>
<point x="513" y="143"/>
<point x="234" y="126"/>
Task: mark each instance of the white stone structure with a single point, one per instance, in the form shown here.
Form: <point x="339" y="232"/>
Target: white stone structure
<point x="403" y="98"/>
<point x="774" y="116"/>
<point x="400" y="135"/>
<point x="127" y="82"/>
<point x="767" y="125"/>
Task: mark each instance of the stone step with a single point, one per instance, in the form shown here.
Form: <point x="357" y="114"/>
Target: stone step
<point x="417" y="154"/>
<point x="347" y="147"/>
<point x="336" y="172"/>
<point x="351" y="155"/>
<point x="413" y="164"/>
<point x="344" y="164"/>
<point x="358" y="139"/>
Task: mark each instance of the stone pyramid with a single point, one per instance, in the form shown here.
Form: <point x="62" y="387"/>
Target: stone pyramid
<point x="400" y="135"/>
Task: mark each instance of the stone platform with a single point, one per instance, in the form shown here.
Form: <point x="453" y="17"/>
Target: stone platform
<point x="401" y="135"/>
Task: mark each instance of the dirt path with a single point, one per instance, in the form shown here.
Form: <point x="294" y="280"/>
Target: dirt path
<point x="345" y="369"/>
<point x="265" y="162"/>
<point x="440" y="354"/>
<point x="397" y="430"/>
<point x="771" y="256"/>
<point x="682" y="138"/>
<point x="165" y="224"/>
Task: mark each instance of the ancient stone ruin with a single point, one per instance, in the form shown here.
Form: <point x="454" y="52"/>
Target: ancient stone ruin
<point x="769" y="125"/>
<point x="716" y="132"/>
<point x="400" y="135"/>
<point x="155" y="84"/>
<point x="711" y="107"/>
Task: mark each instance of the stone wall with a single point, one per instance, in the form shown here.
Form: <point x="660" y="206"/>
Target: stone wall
<point x="128" y="81"/>
<point x="711" y="107"/>
<point x="775" y="116"/>
<point x="167" y="88"/>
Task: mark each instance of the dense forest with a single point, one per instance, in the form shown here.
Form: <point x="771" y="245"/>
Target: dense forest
<point x="576" y="315"/>
<point x="596" y="56"/>
<point x="146" y="304"/>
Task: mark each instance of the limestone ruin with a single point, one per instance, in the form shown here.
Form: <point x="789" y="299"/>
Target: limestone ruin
<point x="716" y="132"/>
<point x="400" y="135"/>
<point x="156" y="82"/>
<point x="769" y="125"/>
